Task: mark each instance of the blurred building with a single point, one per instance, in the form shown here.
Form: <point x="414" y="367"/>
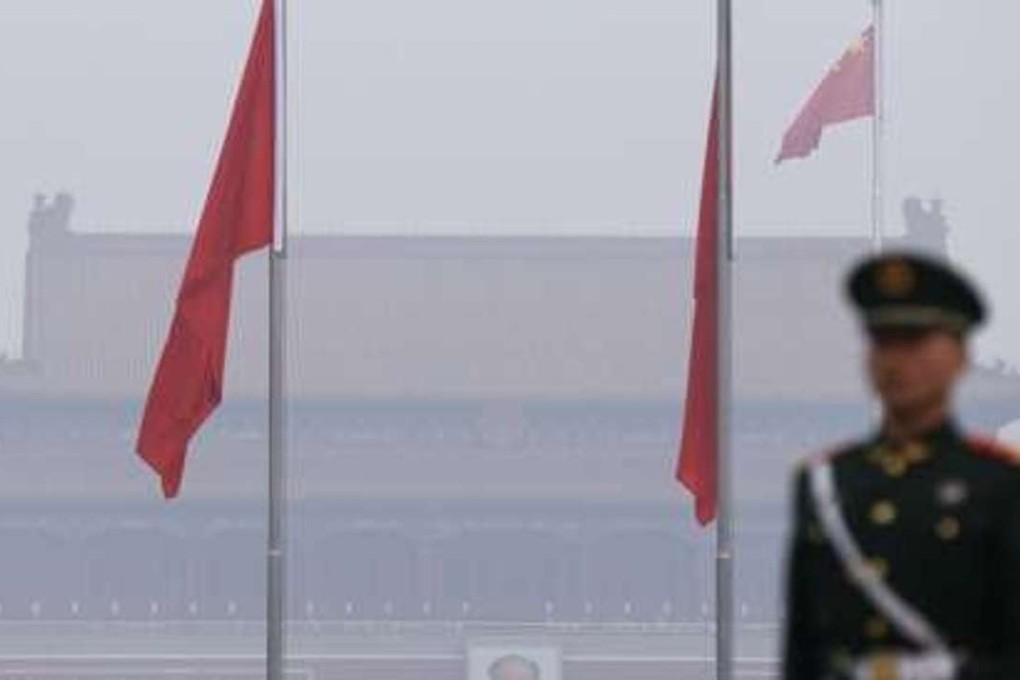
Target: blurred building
<point x="481" y="429"/>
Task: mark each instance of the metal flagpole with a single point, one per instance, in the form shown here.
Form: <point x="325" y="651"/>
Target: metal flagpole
<point x="724" y="260"/>
<point x="275" y="582"/>
<point x="878" y="126"/>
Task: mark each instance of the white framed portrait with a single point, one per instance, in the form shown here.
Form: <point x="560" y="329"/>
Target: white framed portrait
<point x="513" y="661"/>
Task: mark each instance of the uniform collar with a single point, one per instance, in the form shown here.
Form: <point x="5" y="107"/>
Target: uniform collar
<point x="944" y="433"/>
<point x="898" y="458"/>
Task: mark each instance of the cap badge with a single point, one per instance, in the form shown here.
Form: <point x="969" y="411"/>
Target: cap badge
<point x="896" y="278"/>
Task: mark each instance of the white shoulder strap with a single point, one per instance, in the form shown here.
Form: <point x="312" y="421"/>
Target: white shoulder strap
<point x="911" y="623"/>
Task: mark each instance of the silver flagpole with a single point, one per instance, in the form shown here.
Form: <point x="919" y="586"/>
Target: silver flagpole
<point x="275" y="581"/>
<point x="878" y="126"/>
<point x="724" y="261"/>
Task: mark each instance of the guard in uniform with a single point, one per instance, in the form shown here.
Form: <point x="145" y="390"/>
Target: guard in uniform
<point x="905" y="549"/>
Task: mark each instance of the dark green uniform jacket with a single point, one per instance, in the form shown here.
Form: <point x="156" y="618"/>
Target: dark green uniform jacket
<point x="940" y="520"/>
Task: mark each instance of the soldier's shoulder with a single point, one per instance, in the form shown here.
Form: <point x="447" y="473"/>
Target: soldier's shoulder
<point x="833" y="455"/>
<point x="989" y="449"/>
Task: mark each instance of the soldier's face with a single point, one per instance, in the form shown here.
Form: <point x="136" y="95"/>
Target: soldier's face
<point x="915" y="369"/>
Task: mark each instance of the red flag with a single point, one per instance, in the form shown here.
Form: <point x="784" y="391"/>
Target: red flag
<point x="696" y="466"/>
<point x="847" y="92"/>
<point x="237" y="218"/>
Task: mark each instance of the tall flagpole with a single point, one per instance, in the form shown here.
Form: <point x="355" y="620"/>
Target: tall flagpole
<point x="878" y="126"/>
<point x="275" y="581"/>
<point x="724" y="261"/>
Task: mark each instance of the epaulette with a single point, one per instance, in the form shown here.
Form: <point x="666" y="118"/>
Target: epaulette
<point x="827" y="455"/>
<point x="986" y="447"/>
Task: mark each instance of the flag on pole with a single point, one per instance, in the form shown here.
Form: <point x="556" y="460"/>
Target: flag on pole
<point x="237" y="218"/>
<point x="847" y="92"/>
<point x="697" y="463"/>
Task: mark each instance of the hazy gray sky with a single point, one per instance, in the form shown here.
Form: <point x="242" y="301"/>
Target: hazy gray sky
<point x="500" y="116"/>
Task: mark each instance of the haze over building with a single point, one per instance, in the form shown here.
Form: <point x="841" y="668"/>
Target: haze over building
<point x="482" y="432"/>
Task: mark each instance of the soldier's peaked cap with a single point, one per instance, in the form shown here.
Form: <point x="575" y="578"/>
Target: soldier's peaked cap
<point x="904" y="290"/>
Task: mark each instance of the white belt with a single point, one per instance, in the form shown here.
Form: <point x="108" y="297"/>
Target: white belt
<point x="911" y="623"/>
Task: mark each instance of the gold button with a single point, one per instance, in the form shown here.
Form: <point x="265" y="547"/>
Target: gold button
<point x="895" y="467"/>
<point x="948" y="528"/>
<point x="885" y="667"/>
<point x="879" y="566"/>
<point x="876" y="628"/>
<point x="883" y="513"/>
<point x="915" y="452"/>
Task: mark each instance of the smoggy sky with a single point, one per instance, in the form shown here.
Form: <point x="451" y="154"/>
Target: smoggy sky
<point x="509" y="117"/>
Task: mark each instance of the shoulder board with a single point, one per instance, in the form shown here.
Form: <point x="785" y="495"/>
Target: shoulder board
<point x="986" y="447"/>
<point x="828" y="455"/>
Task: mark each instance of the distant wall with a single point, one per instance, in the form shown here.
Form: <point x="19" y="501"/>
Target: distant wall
<point x="450" y="317"/>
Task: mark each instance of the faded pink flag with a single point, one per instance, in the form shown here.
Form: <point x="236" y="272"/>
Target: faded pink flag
<point x="847" y="92"/>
